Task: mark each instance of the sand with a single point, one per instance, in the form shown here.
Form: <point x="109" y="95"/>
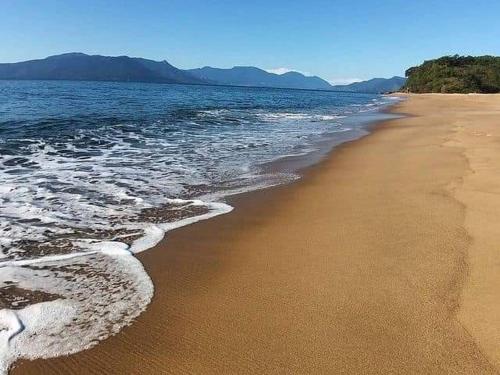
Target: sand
<point x="383" y="259"/>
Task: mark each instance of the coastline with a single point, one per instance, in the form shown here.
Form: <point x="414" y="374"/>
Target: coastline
<point x="350" y="269"/>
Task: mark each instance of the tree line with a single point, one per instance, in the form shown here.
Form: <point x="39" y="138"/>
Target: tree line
<point x="455" y="74"/>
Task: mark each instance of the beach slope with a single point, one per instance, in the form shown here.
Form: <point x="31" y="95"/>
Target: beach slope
<point x="383" y="259"/>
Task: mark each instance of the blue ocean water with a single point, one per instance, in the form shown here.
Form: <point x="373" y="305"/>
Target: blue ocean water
<point x="91" y="173"/>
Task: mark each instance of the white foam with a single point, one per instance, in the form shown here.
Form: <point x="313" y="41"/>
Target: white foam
<point x="45" y="259"/>
<point x="10" y="326"/>
<point x="329" y="117"/>
<point x="98" y="294"/>
<point x="48" y="329"/>
<point x="154" y="233"/>
<point x="284" y="116"/>
<point x="216" y="209"/>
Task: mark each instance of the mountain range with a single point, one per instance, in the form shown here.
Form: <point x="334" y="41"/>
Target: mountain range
<point x="82" y="67"/>
<point x="251" y="76"/>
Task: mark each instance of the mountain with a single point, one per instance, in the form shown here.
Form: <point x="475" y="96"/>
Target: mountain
<point x="374" y="86"/>
<point x="82" y="67"/>
<point x="456" y="74"/>
<point x="251" y="76"/>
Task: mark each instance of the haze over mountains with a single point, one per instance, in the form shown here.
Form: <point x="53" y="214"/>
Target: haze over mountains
<point x="82" y="67"/>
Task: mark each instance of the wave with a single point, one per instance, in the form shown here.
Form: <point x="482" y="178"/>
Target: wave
<point x="99" y="291"/>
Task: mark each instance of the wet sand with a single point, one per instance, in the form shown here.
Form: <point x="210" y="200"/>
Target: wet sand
<point x="384" y="258"/>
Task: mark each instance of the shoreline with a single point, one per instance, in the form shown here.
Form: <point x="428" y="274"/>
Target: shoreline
<point x="296" y="283"/>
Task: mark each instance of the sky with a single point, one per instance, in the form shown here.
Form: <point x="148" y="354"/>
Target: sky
<point x="340" y="41"/>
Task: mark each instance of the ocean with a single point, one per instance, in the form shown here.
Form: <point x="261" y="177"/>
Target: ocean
<point x="92" y="173"/>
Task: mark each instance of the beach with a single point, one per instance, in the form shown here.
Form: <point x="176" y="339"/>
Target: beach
<point x="382" y="259"/>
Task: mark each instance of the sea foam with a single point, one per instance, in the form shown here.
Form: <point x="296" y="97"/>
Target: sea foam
<point x="99" y="291"/>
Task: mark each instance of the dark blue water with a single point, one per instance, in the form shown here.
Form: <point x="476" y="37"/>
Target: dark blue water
<point x="91" y="171"/>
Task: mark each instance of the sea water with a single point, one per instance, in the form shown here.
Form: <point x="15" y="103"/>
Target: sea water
<point x="92" y="173"/>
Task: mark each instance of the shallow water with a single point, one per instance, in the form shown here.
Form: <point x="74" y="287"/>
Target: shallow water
<point x="91" y="173"/>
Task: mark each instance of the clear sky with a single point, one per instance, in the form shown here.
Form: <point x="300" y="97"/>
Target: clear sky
<point x="337" y="40"/>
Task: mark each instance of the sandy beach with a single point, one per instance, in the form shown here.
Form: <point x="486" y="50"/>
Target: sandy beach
<point x="383" y="259"/>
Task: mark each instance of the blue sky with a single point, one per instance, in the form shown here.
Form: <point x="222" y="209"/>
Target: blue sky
<point x="337" y="40"/>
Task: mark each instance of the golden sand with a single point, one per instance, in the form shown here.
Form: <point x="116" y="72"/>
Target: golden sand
<point x="383" y="259"/>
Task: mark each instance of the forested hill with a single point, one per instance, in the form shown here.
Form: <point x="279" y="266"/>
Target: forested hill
<point x="455" y="74"/>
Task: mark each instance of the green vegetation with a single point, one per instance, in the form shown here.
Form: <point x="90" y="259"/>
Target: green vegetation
<point x="455" y="74"/>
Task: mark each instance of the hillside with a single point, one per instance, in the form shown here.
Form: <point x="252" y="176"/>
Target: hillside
<point x="373" y="86"/>
<point x="251" y="76"/>
<point x="456" y="74"/>
<point x="82" y="67"/>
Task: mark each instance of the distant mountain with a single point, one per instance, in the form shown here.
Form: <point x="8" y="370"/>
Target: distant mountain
<point x="374" y="86"/>
<point x="251" y="76"/>
<point x="82" y="67"/>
